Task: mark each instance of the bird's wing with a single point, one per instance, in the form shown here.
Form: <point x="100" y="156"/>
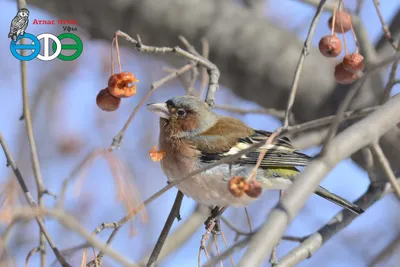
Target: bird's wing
<point x="279" y="154"/>
<point x="230" y="136"/>
<point x="17" y="23"/>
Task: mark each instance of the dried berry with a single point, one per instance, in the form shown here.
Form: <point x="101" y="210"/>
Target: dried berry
<point x="254" y="189"/>
<point x="330" y="46"/>
<point x="238" y="185"/>
<point x="121" y="84"/>
<point x="107" y="101"/>
<point x="156" y="155"/>
<point x="342" y="20"/>
<point x="343" y="76"/>
<point x="353" y="62"/>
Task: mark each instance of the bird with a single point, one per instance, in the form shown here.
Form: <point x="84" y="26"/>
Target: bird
<point x="193" y="136"/>
<point x="19" y="24"/>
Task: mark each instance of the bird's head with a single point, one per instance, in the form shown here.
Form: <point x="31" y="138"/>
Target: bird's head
<point x="23" y="12"/>
<point x="184" y="116"/>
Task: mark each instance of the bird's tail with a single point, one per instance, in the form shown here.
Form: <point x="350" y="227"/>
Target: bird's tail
<point x="322" y="192"/>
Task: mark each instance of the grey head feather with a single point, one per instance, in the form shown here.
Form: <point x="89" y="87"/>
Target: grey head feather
<point x="200" y="108"/>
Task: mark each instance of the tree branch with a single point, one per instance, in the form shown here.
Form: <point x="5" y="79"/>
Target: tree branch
<point x="342" y="146"/>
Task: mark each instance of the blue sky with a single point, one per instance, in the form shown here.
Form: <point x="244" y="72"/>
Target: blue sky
<point x="73" y="112"/>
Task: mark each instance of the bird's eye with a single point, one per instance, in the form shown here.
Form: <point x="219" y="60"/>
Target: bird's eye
<point x="181" y="112"/>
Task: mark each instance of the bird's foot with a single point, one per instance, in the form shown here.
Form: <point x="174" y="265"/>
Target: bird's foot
<point x="213" y="223"/>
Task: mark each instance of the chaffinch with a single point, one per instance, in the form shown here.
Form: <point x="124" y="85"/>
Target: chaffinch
<point x="193" y="136"/>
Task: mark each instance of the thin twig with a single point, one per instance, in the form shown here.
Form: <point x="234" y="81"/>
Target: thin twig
<point x="270" y="111"/>
<point x="299" y="67"/>
<point x="234" y="228"/>
<point x="212" y="68"/>
<point x="238" y="245"/>
<point x="350" y="96"/>
<point x="385" y="28"/>
<point x="194" y="74"/>
<point x="392" y="79"/>
<point x="248" y="220"/>
<point x="35" y="160"/>
<point x="31" y="201"/>
<point x="349" y="115"/>
<point x="226" y="245"/>
<point x="30" y="254"/>
<point x="174" y="213"/>
<point x="217" y="249"/>
<point x="383" y="161"/>
<point x="41" y="190"/>
<point x="182" y="233"/>
<point x="204" y="75"/>
<point x="118" y="138"/>
<point x="264" y="150"/>
<point x="71" y="223"/>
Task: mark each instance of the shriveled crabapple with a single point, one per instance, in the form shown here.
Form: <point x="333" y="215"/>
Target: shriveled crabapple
<point x="238" y="185"/>
<point x="343" y="76"/>
<point x="121" y="84"/>
<point x="254" y="190"/>
<point x="330" y="46"/>
<point x="353" y="62"/>
<point x="342" y="20"/>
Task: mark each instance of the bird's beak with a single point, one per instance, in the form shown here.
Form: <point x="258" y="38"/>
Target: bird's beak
<point x="160" y="109"/>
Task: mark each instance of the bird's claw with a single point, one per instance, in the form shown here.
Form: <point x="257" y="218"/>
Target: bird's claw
<point x="213" y="223"/>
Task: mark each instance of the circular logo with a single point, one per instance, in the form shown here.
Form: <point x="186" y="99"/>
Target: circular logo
<point x="34" y="47"/>
<point x="78" y="46"/>
<point x="46" y="49"/>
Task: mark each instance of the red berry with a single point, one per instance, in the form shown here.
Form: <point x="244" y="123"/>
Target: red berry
<point x="353" y="62"/>
<point x="107" y="101"/>
<point x="254" y="190"/>
<point x="330" y="46"/>
<point x="238" y="186"/>
<point x="342" y="20"/>
<point x="343" y="76"/>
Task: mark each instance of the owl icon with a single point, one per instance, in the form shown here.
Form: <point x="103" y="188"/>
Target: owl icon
<point x="19" y="24"/>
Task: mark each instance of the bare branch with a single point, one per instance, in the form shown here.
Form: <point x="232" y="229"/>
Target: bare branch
<point x="299" y="67"/>
<point x="273" y="112"/>
<point x="311" y="244"/>
<point x="342" y="146"/>
<point x="30" y="254"/>
<point x="213" y="70"/>
<point x="392" y="78"/>
<point x="377" y="150"/>
<point x="185" y="230"/>
<point x="71" y="223"/>
<point x="385" y="28"/>
<point x="174" y="214"/>
<point x="31" y="201"/>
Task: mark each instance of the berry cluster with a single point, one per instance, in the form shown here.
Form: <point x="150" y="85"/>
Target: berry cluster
<point x="352" y="65"/>
<point x="238" y="186"/>
<point x="120" y="85"/>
